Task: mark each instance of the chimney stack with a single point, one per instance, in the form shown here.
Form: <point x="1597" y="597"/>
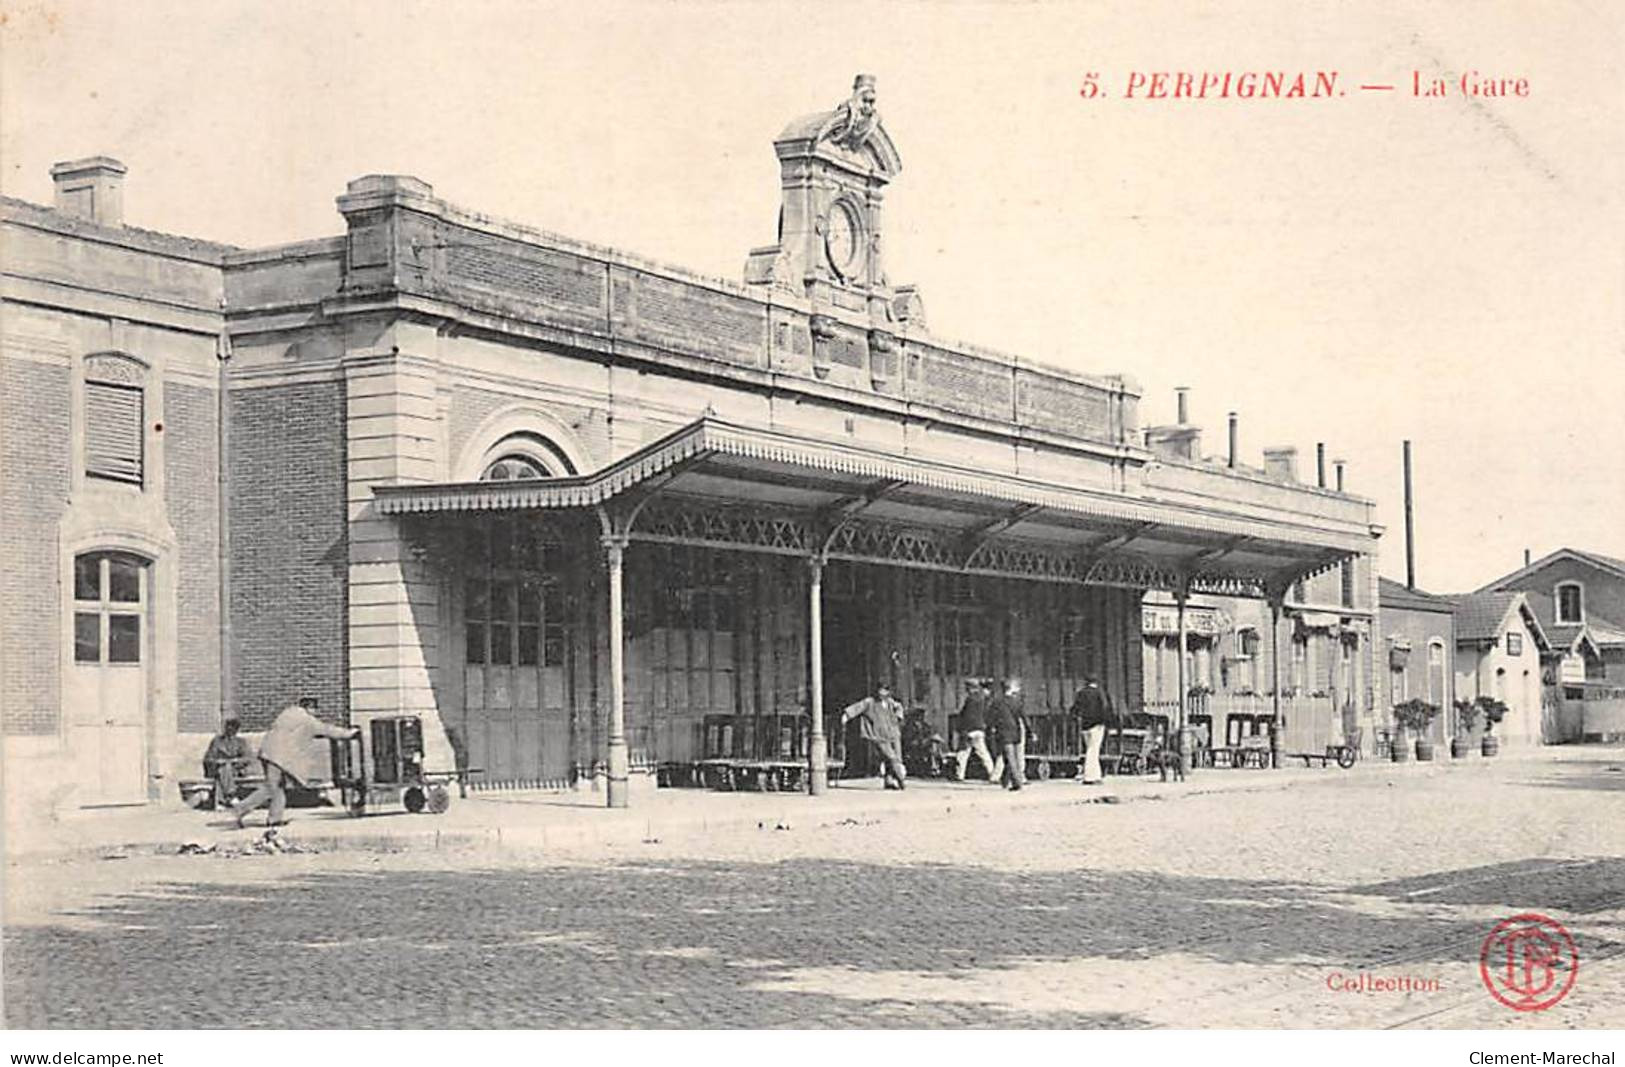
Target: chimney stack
<point x="1183" y="393"/>
<point x="1281" y="463"/>
<point x="1339" y="465"/>
<point x="1526" y="559"/>
<point x="1410" y="528"/>
<point x="1232" y="440"/>
<point x="91" y="189"/>
<point x="1320" y="464"/>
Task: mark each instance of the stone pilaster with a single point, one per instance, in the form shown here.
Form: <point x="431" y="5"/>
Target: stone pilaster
<point x="392" y="434"/>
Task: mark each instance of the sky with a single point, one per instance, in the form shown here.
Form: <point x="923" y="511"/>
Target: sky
<point x="1357" y="270"/>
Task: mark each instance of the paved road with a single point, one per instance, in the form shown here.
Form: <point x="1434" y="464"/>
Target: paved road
<point x="1221" y="909"/>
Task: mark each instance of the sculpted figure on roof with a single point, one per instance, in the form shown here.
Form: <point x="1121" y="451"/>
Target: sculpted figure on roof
<point x="855" y="118"/>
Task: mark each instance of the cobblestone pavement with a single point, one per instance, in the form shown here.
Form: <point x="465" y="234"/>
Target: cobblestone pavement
<point x="1233" y="909"/>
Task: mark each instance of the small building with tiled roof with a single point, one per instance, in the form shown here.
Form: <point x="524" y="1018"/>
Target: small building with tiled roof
<point x="1500" y="652"/>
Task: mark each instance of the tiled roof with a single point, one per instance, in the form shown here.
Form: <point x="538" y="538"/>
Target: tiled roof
<point x="1606" y="633"/>
<point x="1601" y="560"/>
<point x="1595" y="559"/>
<point x="1391" y="594"/>
<point x="1563" y="636"/>
<point x="1479" y="615"/>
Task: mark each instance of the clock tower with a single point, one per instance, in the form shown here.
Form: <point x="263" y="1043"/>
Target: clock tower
<point x="834" y="167"/>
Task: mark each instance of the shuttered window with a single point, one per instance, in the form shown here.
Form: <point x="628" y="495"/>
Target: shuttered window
<point x="113" y="422"/>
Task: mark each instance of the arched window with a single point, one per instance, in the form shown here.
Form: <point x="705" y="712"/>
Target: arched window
<point x="514" y="468"/>
<point x="109" y="597"/>
<point x="523" y="456"/>
<point x="1570" y="603"/>
<point x="1437" y="687"/>
<point x="1247" y="656"/>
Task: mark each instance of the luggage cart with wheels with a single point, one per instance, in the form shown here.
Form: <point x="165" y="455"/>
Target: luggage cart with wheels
<point x="384" y="765"/>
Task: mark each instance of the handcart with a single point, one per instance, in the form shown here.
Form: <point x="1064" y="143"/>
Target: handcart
<point x="384" y="765"/>
<point x="1054" y="746"/>
<point x="765" y="752"/>
<point x="1344" y="755"/>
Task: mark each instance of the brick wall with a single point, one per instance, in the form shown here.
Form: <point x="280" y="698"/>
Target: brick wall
<point x="965" y="384"/>
<point x="289" y="553"/>
<point x="1604" y="596"/>
<point x="191" y="471"/>
<point x="34" y="481"/>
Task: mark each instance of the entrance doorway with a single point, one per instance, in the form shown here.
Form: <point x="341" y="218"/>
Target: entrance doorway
<point x="107" y="685"/>
<point x="515" y="655"/>
<point x="855" y="656"/>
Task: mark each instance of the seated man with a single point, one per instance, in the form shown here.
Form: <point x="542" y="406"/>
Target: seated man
<point x="922" y="746"/>
<point x="227" y="760"/>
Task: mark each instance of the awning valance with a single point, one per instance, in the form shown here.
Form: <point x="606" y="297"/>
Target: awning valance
<point x="972" y="516"/>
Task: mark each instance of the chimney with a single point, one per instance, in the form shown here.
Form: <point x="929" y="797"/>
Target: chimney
<point x="1410" y="525"/>
<point x="1175" y="442"/>
<point x="1232" y="440"/>
<point x="1339" y="465"/>
<point x="1526" y="559"/>
<point x="1281" y="463"/>
<point x="91" y="189"/>
<point x="1183" y="392"/>
<point x="1320" y="464"/>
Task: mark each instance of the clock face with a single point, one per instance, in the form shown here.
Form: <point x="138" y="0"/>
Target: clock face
<point x="841" y="239"/>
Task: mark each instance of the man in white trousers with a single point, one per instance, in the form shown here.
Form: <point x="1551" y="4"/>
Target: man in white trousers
<point x="1092" y="708"/>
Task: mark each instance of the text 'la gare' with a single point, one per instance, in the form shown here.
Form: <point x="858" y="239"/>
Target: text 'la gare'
<point x="1470" y="83"/>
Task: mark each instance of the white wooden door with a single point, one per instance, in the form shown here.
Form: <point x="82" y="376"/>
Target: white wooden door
<point x="107" y="686"/>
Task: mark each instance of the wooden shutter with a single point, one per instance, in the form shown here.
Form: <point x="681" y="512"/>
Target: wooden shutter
<point x="113" y="425"/>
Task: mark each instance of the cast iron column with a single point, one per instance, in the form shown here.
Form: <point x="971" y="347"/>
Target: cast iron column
<point x="1275" y="681"/>
<point x="817" y="758"/>
<point x="615" y="556"/>
<point x="1184" y="688"/>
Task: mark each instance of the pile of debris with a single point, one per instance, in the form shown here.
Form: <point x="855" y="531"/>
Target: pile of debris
<point x="271" y="843"/>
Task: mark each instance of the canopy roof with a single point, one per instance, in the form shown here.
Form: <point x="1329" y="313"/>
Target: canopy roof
<point x="718" y="483"/>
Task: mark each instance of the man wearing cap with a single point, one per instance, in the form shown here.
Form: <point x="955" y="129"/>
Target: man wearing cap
<point x="973" y="730"/>
<point x="226" y="759"/>
<point x="1008" y="720"/>
<point x="881" y="725"/>
<point x="292" y="752"/>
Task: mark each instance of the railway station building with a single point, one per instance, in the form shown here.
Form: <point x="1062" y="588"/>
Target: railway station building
<point x="582" y="512"/>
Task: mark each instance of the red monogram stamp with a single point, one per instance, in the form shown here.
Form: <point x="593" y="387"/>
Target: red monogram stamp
<point x="1529" y="962"/>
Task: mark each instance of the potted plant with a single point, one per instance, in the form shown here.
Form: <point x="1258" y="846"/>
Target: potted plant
<point x="1397" y="750"/>
<point x="1494" y="711"/>
<point x="1416" y="715"/>
<point x="1466" y="720"/>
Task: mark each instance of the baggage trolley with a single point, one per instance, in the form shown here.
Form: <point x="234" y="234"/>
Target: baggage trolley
<point x="384" y="765"/>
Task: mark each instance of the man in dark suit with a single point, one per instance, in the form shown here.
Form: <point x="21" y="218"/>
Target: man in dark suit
<point x="1009" y="723"/>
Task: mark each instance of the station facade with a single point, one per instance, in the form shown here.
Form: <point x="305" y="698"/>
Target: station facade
<point x="571" y="506"/>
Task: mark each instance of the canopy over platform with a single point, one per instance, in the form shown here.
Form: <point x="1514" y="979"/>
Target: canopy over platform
<point x="719" y="484"/>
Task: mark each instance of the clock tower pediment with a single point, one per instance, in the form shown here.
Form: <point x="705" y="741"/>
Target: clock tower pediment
<point x="834" y="168"/>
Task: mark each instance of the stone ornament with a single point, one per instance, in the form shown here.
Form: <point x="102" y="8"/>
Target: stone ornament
<point x="116" y="369"/>
<point x="855" y="118"/>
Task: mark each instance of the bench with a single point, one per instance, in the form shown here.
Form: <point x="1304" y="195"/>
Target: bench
<point x="207" y="794"/>
<point x="1248" y="754"/>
